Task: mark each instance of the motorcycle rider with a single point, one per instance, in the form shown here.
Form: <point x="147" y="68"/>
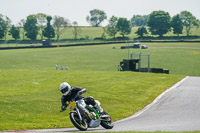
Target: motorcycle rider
<point x="75" y="93"/>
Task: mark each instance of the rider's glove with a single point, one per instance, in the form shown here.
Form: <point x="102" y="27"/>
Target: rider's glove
<point x="63" y="108"/>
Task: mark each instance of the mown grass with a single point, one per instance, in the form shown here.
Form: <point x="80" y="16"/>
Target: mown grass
<point x="29" y="82"/>
<point x="153" y="132"/>
<point x="31" y="99"/>
<point x="179" y="58"/>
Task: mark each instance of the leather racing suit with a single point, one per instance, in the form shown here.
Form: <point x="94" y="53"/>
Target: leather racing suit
<point x="76" y="94"/>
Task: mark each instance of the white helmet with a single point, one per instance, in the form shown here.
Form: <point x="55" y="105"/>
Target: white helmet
<point x="65" y="88"/>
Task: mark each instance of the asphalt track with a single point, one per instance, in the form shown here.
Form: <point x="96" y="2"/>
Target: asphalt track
<point x="177" y="109"/>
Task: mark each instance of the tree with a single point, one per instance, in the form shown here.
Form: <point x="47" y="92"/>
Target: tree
<point x="48" y="30"/>
<point x="77" y="30"/>
<point x="41" y="19"/>
<point x="5" y="23"/>
<point x="30" y="27"/>
<point x="2" y="27"/>
<point x="96" y="17"/>
<point x="139" y="20"/>
<point x="103" y="35"/>
<point x="60" y="24"/>
<point x="177" y="25"/>
<point x="14" y="31"/>
<point x="8" y="25"/>
<point x="141" y="31"/>
<point x="21" y="25"/>
<point x="159" y="23"/>
<point x="188" y="20"/>
<point x="112" y="26"/>
<point x="124" y="26"/>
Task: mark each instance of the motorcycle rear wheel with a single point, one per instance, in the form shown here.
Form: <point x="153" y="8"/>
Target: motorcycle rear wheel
<point x="81" y="125"/>
<point x="107" y="123"/>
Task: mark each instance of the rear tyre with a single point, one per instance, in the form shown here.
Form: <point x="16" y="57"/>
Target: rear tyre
<point x="107" y="123"/>
<point x="81" y="125"/>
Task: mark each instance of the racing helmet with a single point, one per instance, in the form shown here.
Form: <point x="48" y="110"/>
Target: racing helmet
<point x="65" y="88"/>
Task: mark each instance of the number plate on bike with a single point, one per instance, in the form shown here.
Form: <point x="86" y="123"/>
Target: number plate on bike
<point x="72" y="106"/>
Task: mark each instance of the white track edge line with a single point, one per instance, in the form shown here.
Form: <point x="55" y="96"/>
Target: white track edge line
<point x="154" y="102"/>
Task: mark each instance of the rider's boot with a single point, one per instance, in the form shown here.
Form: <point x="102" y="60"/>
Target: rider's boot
<point x="101" y="112"/>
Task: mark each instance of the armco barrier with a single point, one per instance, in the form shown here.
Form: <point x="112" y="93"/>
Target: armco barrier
<point x="88" y="44"/>
<point x="53" y="46"/>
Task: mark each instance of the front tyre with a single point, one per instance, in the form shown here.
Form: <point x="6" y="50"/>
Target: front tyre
<point x="107" y="122"/>
<point x="81" y="125"/>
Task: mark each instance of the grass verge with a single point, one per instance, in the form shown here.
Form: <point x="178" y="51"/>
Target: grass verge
<point x="31" y="99"/>
<point x="29" y="83"/>
<point x="153" y="132"/>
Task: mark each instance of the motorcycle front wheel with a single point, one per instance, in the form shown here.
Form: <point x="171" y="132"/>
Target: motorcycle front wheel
<point x="81" y="125"/>
<point x="107" y="123"/>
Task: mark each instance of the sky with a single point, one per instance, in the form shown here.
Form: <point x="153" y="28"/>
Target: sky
<point x="78" y="10"/>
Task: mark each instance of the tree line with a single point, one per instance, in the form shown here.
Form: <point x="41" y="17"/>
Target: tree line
<point x="37" y="24"/>
<point x="157" y="22"/>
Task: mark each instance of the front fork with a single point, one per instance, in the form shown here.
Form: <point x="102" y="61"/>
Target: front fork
<point x="78" y="112"/>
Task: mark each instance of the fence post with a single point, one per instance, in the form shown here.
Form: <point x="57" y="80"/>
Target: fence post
<point x="149" y="62"/>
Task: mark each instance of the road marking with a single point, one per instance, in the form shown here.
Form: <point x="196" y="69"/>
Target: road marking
<point x="154" y="102"/>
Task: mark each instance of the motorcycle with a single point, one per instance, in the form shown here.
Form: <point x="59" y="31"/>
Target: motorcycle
<point x="94" y="119"/>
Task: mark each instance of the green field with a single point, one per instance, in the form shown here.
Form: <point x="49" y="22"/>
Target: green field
<point x="96" y="32"/>
<point x="29" y="90"/>
<point x="179" y="58"/>
<point x="88" y="35"/>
